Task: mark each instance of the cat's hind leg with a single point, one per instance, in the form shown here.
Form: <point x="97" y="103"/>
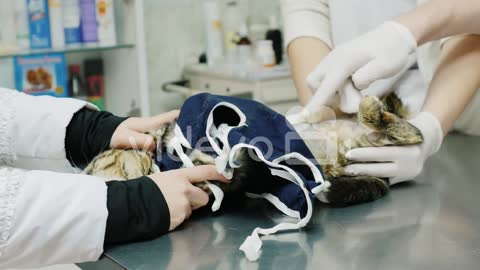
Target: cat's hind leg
<point x="350" y="190"/>
<point x="373" y="113"/>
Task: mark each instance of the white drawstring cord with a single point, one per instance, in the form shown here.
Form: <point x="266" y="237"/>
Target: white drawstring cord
<point x="252" y="244"/>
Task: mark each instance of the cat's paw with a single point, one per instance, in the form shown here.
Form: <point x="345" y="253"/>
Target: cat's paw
<point x="371" y="113"/>
<point x="349" y="190"/>
<point x="199" y="158"/>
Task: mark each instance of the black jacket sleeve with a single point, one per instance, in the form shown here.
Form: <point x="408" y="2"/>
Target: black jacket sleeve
<point x="137" y="210"/>
<point x="88" y="134"/>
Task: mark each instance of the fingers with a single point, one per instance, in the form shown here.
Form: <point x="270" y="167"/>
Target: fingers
<point x="314" y="79"/>
<point x="198" y="198"/>
<point x="371" y="72"/>
<point x="385" y="170"/>
<point x="376" y="154"/>
<point x="203" y="173"/>
<point x="380" y="69"/>
<point x="133" y="140"/>
<point x="164" y="118"/>
<point x="350" y="98"/>
<point x="145" y="124"/>
<point x="326" y="91"/>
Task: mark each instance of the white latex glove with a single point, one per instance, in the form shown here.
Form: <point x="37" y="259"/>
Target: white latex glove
<point x="378" y="54"/>
<point x="399" y="163"/>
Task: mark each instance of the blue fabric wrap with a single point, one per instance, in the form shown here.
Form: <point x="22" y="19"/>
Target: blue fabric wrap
<point x="262" y="123"/>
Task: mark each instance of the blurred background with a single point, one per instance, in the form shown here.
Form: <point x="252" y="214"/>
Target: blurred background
<point x="143" y="57"/>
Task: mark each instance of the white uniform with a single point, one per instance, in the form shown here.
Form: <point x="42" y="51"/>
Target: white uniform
<point x="45" y="217"/>
<point x="337" y="21"/>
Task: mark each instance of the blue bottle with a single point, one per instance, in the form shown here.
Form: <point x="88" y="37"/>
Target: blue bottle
<point x="39" y="24"/>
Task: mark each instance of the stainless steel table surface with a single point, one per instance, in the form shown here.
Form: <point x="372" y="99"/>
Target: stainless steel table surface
<point x="432" y="224"/>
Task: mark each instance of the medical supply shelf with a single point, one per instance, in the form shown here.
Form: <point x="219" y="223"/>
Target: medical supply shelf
<point x="125" y="64"/>
<point x="67" y="50"/>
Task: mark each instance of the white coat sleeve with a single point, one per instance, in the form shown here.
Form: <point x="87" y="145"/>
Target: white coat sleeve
<point x="50" y="218"/>
<point x="307" y="18"/>
<point x="37" y="128"/>
<point x="45" y="217"/>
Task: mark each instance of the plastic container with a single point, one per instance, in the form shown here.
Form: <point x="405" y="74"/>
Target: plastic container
<point x="213" y="29"/>
<point x="39" y="24"/>
<point x="76" y="87"/>
<point x="21" y="25"/>
<point x="244" y="45"/>
<point x="232" y="21"/>
<point x="55" y="13"/>
<point x="265" y="53"/>
<point x="88" y="21"/>
<point x="7" y="27"/>
<point x="71" y="22"/>
<point x="94" y="82"/>
<point x="275" y="35"/>
<point x="107" y="34"/>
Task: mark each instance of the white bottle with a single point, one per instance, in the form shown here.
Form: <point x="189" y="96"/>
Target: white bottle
<point x="265" y="53"/>
<point x="232" y="20"/>
<point x="213" y="28"/>
<point x="21" y="25"/>
<point x="57" y="34"/>
<point x="107" y="34"/>
<point x="244" y="45"/>
<point x="71" y="22"/>
<point x="7" y="26"/>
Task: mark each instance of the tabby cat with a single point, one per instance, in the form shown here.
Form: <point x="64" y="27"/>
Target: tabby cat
<point x="379" y="123"/>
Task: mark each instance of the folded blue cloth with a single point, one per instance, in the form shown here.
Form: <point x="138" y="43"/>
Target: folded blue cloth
<point x="221" y="126"/>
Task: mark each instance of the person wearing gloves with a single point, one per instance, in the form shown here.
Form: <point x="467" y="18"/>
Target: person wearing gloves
<point x="375" y="62"/>
<point x="48" y="214"/>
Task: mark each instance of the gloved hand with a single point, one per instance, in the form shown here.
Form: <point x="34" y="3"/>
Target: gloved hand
<point x="399" y="163"/>
<point x="381" y="53"/>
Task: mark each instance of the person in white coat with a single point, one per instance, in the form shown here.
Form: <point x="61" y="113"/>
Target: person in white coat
<point x="333" y="49"/>
<point x="50" y="215"/>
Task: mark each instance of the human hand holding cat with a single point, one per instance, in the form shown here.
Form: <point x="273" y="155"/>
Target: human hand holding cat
<point x="181" y="195"/>
<point x="130" y="134"/>
<point x="381" y="53"/>
<point x="398" y="163"/>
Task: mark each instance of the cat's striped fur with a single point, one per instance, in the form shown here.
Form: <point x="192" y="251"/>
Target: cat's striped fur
<point x="380" y="123"/>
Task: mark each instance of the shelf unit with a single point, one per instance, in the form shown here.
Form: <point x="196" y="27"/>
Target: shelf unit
<point x="125" y="64"/>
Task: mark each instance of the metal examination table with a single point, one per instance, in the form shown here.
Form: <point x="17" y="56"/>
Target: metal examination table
<point x="434" y="224"/>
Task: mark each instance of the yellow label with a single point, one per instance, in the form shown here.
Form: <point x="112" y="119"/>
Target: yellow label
<point x="54" y="3"/>
<point x="59" y="90"/>
<point x="217" y="25"/>
<point x="102" y="8"/>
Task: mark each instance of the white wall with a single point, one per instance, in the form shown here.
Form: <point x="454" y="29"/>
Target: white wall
<point x="174" y="31"/>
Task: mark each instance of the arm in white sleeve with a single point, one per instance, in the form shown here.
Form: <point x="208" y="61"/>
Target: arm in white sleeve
<point x="307" y="32"/>
<point x="50" y="218"/>
<point x="307" y="18"/>
<point x="436" y="19"/>
<point x="36" y="127"/>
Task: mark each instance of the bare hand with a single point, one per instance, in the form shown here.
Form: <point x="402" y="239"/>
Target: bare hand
<point x="131" y="133"/>
<point x="181" y="195"/>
